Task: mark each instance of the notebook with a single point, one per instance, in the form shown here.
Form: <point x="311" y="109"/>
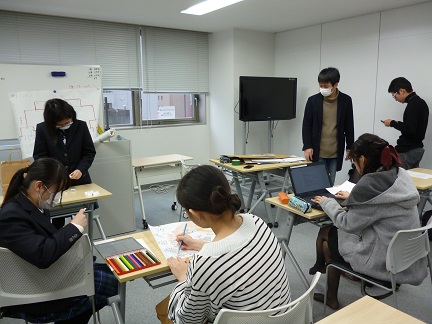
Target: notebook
<point x="311" y="180"/>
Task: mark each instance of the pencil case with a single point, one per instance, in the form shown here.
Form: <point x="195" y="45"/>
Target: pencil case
<point x="132" y="261"/>
<point x="283" y="197"/>
<point x="300" y="204"/>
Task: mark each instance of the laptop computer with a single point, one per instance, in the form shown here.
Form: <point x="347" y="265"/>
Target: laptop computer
<point x="311" y="180"/>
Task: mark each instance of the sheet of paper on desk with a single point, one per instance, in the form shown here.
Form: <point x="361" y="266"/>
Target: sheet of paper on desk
<point x="420" y="175"/>
<point x="284" y="160"/>
<point x="165" y="236"/>
<point x="346" y="186"/>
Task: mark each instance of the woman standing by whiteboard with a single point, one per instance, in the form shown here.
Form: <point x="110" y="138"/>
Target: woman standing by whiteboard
<point x="63" y="137"/>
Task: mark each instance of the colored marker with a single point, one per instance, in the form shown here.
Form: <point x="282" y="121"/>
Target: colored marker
<point x="131" y="261"/>
<point x="120" y="264"/>
<point x="126" y="262"/>
<point x="142" y="259"/>
<point x="152" y="256"/>
<point x="181" y="241"/>
<point x="140" y="265"/>
<point x="147" y="257"/>
<point x="114" y="266"/>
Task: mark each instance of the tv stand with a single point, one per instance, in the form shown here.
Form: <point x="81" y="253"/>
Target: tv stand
<point x="270" y="137"/>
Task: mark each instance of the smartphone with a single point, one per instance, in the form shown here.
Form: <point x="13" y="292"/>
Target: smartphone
<point x="248" y="166"/>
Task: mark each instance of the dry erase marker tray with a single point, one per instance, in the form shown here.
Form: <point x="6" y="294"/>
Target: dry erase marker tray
<point x="132" y="261"/>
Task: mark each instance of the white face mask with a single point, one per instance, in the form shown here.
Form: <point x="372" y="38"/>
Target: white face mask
<point x="65" y="127"/>
<point x="326" y="91"/>
<point x="49" y="203"/>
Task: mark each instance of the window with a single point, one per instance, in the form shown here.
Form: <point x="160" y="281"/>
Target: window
<point x="150" y="76"/>
<point x="123" y="108"/>
<point x="118" y="108"/>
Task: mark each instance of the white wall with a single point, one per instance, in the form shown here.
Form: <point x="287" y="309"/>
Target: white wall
<point x="369" y="52"/>
<point x="234" y="53"/>
<point x="253" y="56"/>
<point x="221" y="61"/>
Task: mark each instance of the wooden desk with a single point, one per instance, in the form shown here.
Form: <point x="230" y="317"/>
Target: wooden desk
<point x="369" y="310"/>
<point x="424" y="187"/>
<point x="295" y="216"/>
<point x="256" y="174"/>
<point x="74" y="199"/>
<point x="148" y="238"/>
<point x="154" y="166"/>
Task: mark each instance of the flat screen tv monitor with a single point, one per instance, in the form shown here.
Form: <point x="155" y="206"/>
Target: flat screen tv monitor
<point x="267" y="98"/>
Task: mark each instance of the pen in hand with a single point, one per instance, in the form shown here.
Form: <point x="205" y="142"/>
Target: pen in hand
<point x="181" y="241"/>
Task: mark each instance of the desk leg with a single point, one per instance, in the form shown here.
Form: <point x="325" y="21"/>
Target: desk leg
<point x="90" y="208"/>
<point x="295" y="264"/>
<point x="251" y="193"/>
<point x="122" y="294"/>
<point x="285" y="187"/>
<point x="145" y="225"/>
<point x="238" y="189"/>
<point x="263" y="195"/>
<point x="284" y="244"/>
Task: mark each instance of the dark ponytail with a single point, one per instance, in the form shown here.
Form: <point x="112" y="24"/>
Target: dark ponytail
<point x="205" y="188"/>
<point x="50" y="171"/>
<point x="379" y="154"/>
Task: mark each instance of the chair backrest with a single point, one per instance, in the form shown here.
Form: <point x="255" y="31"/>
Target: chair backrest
<point x="71" y="275"/>
<point x="406" y="247"/>
<point x="298" y="311"/>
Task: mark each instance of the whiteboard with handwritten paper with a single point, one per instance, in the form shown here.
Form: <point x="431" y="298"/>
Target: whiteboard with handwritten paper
<point x="25" y="88"/>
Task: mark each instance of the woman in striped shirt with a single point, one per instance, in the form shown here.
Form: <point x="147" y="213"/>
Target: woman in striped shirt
<point x="241" y="269"/>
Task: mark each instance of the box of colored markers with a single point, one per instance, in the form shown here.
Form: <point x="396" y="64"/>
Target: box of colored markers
<point x="127" y="255"/>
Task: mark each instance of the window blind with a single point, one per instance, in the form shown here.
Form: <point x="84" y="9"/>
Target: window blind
<point x="175" y="60"/>
<point x="38" y="39"/>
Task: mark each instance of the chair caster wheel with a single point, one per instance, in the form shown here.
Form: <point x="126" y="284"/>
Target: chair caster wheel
<point x="174" y="206"/>
<point x="270" y="225"/>
<point x="276" y="224"/>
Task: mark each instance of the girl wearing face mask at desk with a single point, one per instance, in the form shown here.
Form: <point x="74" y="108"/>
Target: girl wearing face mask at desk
<point x="26" y="230"/>
<point x="63" y="137"/>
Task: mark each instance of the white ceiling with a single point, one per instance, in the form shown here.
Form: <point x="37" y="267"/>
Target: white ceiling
<point x="259" y="15"/>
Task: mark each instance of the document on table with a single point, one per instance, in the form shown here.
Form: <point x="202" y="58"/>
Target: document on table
<point x="283" y="160"/>
<point x="419" y="175"/>
<point x="346" y="186"/>
<point x="165" y="236"/>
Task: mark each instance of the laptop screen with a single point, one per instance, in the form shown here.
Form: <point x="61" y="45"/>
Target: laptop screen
<point x="309" y="178"/>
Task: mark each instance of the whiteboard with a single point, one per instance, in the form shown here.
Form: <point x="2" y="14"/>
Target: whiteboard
<point x="34" y="78"/>
<point x="28" y="108"/>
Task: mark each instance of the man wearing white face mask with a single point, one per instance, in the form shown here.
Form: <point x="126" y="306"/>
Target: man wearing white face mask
<point x="63" y="137"/>
<point x="328" y="124"/>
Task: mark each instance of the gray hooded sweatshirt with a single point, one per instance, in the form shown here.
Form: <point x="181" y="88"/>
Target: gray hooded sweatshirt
<point x="380" y="204"/>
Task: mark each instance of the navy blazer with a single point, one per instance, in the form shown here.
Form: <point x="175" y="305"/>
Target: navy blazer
<point x="28" y="233"/>
<point x="78" y="153"/>
<point x="312" y="125"/>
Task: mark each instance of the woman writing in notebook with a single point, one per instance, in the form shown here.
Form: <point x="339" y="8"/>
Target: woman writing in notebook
<point x="383" y="202"/>
<point x="26" y="230"/>
<point x="242" y="268"/>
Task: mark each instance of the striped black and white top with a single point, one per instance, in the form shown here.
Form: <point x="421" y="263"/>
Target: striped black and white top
<point x="244" y="271"/>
